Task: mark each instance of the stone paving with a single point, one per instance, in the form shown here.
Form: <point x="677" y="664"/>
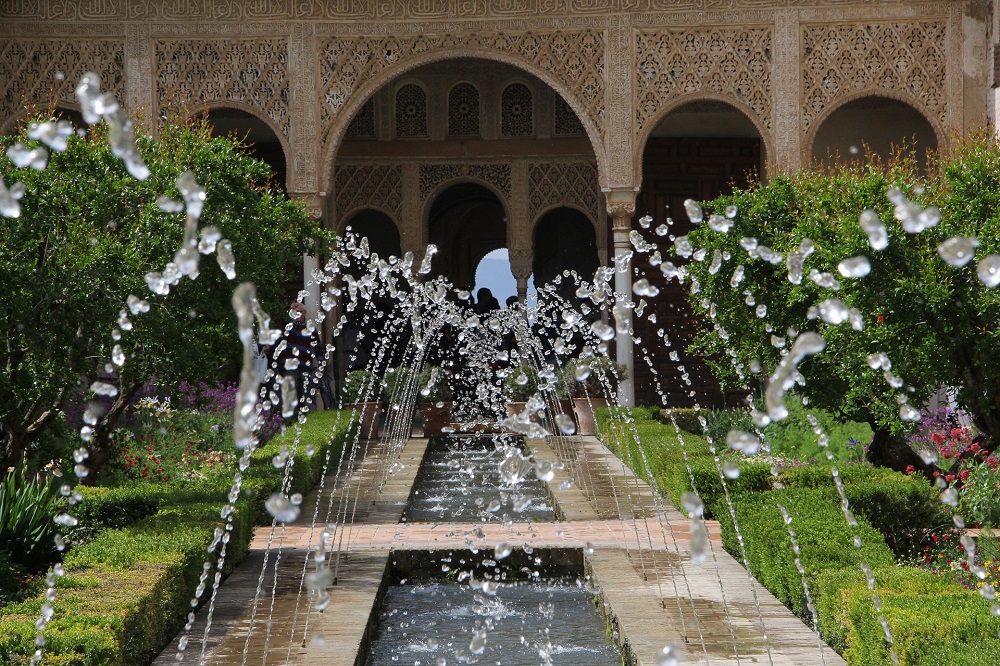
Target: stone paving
<point x="636" y="550"/>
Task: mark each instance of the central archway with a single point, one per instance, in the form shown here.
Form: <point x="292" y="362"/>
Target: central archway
<point x="467" y="221"/>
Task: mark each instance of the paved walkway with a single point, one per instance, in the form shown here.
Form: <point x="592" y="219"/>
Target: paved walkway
<point x="636" y="550"/>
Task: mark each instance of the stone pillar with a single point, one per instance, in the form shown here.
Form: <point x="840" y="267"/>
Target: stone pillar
<point x="787" y="120"/>
<point x="411" y="229"/>
<point x="621" y="208"/>
<point x="139" y="76"/>
<point x="310" y="263"/>
<point x="520" y="268"/>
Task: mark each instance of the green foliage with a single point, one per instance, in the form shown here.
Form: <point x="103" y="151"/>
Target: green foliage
<point x="395" y="382"/>
<point x="102" y="508"/>
<point x="936" y="321"/>
<point x="359" y="386"/>
<point x="825" y="539"/>
<point x="27" y="530"/>
<point x="128" y="589"/>
<point x="88" y="234"/>
<point x="517" y="390"/>
<point x="905" y="509"/>
<point x="932" y="619"/>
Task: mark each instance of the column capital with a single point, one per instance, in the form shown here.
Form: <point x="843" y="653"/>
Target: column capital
<point x="315" y="203"/>
<point x="621" y="207"/>
<point x="520" y="262"/>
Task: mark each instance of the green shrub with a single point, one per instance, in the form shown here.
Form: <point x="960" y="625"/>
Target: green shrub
<point x="102" y="508"/>
<point x="933" y="620"/>
<point x="128" y="589"/>
<point x="825" y="539"/>
<point x="755" y="476"/>
<point x="359" y="386"/>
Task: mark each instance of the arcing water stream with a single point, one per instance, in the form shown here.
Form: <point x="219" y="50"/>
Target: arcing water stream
<point x="546" y="339"/>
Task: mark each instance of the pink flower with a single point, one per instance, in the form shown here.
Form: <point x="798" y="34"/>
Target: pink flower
<point x="910" y="469"/>
<point x="937" y="438"/>
<point x="949" y="477"/>
<point x="957" y="433"/>
<point x="964" y="475"/>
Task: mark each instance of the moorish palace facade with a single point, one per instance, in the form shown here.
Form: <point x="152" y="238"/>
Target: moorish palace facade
<point x="553" y="124"/>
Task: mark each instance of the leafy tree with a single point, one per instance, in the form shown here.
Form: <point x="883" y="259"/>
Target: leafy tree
<point x="937" y="323"/>
<point x="87" y="236"/>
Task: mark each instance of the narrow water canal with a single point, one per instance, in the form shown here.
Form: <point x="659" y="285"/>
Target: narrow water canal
<point x="460" y="481"/>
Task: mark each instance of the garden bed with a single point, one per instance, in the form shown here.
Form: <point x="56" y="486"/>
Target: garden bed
<point x="126" y="591"/>
<point x="935" y="618"/>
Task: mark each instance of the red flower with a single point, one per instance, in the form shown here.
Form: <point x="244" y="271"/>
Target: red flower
<point x="910" y="469"/>
<point x="992" y="463"/>
<point x="975" y="447"/>
<point x="880" y="318"/>
<point x="937" y="438"/>
<point x="949" y="477"/>
<point x="964" y="475"/>
<point x="934" y="538"/>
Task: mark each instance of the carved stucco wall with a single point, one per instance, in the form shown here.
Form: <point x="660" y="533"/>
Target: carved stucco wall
<point x="307" y="65"/>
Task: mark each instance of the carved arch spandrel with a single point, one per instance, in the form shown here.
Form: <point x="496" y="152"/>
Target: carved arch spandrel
<point x="359" y="186"/>
<point x="41" y="71"/>
<point x="252" y="72"/>
<point x="731" y="64"/>
<point x="905" y="60"/>
<point x="556" y="184"/>
<point x="352" y="69"/>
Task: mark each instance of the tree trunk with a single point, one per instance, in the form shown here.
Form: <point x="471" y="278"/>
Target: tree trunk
<point x="889" y="450"/>
<point x="100" y="442"/>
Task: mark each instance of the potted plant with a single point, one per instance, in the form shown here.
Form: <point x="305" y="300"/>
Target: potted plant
<point x="582" y="380"/>
<point x="396" y="384"/>
<point x="434" y="399"/>
<point x="357" y="393"/>
<point x="519" y="384"/>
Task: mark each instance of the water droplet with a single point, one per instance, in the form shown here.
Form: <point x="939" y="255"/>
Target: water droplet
<point x="989" y="270"/>
<point x="872" y="225"/>
<point x="743" y="441"/>
<point x="565" y="424"/>
<point x="833" y="311"/>
<point x="281" y="508"/>
<point x="9" y="198"/>
<point x="103" y="388"/>
<point x="694" y="211"/>
<point x="719" y="223"/>
<point x="730" y="469"/>
<point x="855" y="267"/>
<point x="502" y="550"/>
<point x="908" y="413"/>
<point x="958" y="250"/>
<point x="22" y="156"/>
<point x="226" y="258"/>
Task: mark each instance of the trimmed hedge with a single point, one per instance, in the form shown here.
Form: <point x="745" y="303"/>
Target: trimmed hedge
<point x="825" y="539"/>
<point x="934" y="620"/>
<point x="127" y="591"/>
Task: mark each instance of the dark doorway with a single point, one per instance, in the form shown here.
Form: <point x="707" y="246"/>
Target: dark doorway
<point x="367" y="323"/>
<point x="675" y="169"/>
<point x="564" y="240"/>
<point x="466" y="222"/>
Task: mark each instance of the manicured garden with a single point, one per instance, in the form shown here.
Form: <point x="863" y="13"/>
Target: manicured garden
<point x="136" y="557"/>
<point x="929" y="598"/>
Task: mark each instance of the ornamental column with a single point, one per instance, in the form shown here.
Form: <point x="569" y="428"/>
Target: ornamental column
<point x="621" y="208"/>
<point x="520" y="268"/>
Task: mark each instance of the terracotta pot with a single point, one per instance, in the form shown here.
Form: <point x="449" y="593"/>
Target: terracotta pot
<point x="368" y="413"/>
<point x="584" y="409"/>
<point x="566" y="407"/>
<point x="435" y="418"/>
<point x="514" y="408"/>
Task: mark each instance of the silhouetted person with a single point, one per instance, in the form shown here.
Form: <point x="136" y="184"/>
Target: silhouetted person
<point x="485" y="301"/>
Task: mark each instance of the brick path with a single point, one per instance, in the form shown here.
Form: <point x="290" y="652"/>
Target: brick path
<point x="636" y="550"/>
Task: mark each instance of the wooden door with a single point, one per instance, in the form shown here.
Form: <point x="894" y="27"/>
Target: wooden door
<point x="675" y="170"/>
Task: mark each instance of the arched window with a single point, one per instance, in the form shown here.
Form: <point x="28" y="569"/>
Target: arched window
<point x="566" y="121"/>
<point x="515" y="111"/>
<point x="463" y="110"/>
<point x="411" y="111"/>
